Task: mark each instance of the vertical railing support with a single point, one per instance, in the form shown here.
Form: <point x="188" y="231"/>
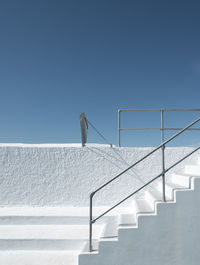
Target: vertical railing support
<point x="90" y="223"/>
<point x="163" y="170"/>
<point x="119" y="131"/>
<point x="163" y="154"/>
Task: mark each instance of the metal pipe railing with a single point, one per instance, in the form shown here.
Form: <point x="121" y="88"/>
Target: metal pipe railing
<point x="162" y="128"/>
<point x="157" y="129"/>
<point x="91" y="220"/>
<point x="130" y="195"/>
<point x="159" y="109"/>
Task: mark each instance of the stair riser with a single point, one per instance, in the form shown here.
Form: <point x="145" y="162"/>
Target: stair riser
<point x="181" y="180"/>
<point x="38" y="258"/>
<point x="141" y="209"/>
<point x="127" y="219"/>
<point x="169" y="192"/>
<point x="28" y="244"/>
<point x="192" y="170"/>
<point x="150" y="199"/>
<point x="110" y="228"/>
<point x="30" y="220"/>
<point x="103" y="245"/>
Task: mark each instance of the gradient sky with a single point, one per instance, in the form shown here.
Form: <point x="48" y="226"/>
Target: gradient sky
<point x="60" y="58"/>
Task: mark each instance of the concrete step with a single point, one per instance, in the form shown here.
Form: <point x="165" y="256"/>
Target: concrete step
<point x="52" y="215"/>
<point x="124" y="219"/>
<point x="43" y="220"/>
<point x="192" y="170"/>
<point x="110" y="228"/>
<point x="128" y="219"/>
<point x="95" y="246"/>
<point x="169" y="188"/>
<point x="141" y="206"/>
<point x="46" y="237"/>
<point x="39" y="257"/>
<point x="43" y="215"/>
<point x="154" y="195"/>
<point x="181" y="179"/>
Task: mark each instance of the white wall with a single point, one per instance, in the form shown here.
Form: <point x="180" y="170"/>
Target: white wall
<point x="63" y="174"/>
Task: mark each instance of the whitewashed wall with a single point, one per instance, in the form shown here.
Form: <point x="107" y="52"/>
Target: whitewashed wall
<point x="66" y="174"/>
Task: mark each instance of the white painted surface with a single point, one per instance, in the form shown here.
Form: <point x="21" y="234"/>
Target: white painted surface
<point x="146" y="232"/>
<point x="38" y="257"/>
<point x="65" y="174"/>
<point x="73" y="232"/>
<point x="167" y="234"/>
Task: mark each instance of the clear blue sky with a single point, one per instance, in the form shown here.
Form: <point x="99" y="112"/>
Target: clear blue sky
<point x="60" y="58"/>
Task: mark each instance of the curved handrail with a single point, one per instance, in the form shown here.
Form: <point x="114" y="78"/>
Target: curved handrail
<point x="91" y="221"/>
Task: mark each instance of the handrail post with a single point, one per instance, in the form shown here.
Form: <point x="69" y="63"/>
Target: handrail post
<point x="90" y="223"/>
<point x="162" y="145"/>
<point x="119" y="131"/>
<point x="163" y="153"/>
<point x="163" y="172"/>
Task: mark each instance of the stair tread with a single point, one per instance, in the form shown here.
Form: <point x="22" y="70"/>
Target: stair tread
<point x="60" y="232"/>
<point x="45" y="220"/>
<point x="85" y="246"/>
<point x="192" y="165"/>
<point x="110" y="229"/>
<point x="158" y="195"/>
<point x="126" y="219"/>
<point x="193" y="170"/>
<point x="35" y="257"/>
<point x="143" y="206"/>
<point x="176" y="185"/>
<point x="182" y="174"/>
<point x="58" y="211"/>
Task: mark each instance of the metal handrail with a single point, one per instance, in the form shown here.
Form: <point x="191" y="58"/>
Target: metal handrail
<point x="91" y="220"/>
<point x="159" y="109"/>
<point x="157" y="129"/>
<point x="162" y="128"/>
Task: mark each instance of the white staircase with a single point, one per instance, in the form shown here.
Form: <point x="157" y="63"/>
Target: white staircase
<point x="148" y="231"/>
<point x="50" y="235"/>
